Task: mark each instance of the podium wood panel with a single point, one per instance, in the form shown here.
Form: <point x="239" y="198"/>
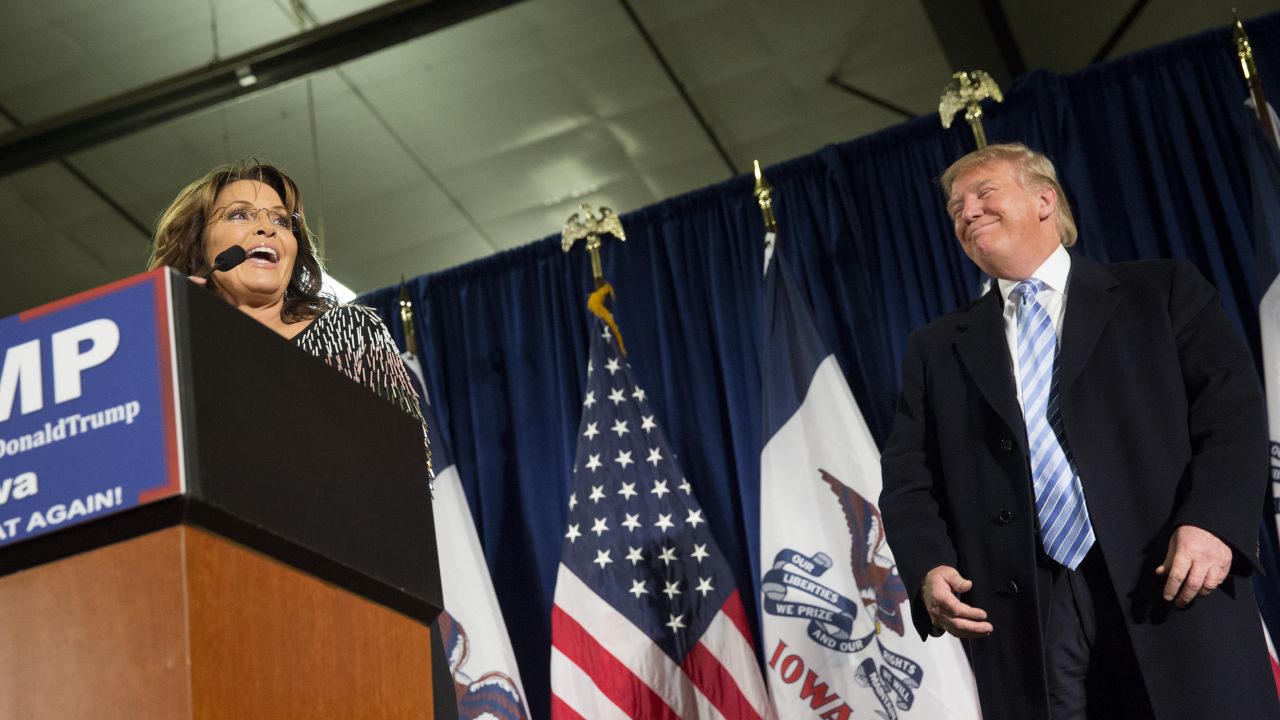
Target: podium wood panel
<point x="181" y="623"/>
<point x="97" y="635"/>
<point x="269" y="642"/>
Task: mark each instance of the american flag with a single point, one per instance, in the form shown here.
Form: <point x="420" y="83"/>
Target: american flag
<point x="647" y="622"/>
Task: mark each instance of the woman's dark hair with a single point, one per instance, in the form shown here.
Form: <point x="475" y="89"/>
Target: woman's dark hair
<point x="179" y="238"/>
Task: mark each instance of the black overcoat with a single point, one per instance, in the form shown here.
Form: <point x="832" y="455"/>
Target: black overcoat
<point x="1164" y="417"/>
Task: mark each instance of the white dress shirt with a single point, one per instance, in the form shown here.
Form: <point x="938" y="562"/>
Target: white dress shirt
<point x="1053" y="273"/>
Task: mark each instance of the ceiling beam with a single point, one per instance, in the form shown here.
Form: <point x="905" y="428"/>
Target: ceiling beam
<point x="1118" y="33"/>
<point x="683" y="91"/>
<point x="250" y="72"/>
<point x="92" y="186"/>
<point x="857" y="92"/>
<point x="975" y="35"/>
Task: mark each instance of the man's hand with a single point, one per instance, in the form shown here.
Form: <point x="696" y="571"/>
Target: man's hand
<point x="1197" y="563"/>
<point x="941" y="593"/>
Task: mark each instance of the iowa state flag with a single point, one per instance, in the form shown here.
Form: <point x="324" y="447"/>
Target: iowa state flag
<point x="1263" y="164"/>
<point x="837" y="638"/>
<point x="486" y="680"/>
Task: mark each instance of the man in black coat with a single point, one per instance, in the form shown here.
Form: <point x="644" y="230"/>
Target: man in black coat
<point x="1076" y="472"/>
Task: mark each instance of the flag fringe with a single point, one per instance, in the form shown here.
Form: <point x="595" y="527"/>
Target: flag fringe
<point x="595" y="303"/>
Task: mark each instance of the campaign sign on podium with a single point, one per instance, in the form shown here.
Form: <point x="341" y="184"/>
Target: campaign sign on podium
<point x="88" y="417"/>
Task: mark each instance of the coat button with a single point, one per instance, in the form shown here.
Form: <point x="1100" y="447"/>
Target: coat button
<point x="1006" y="444"/>
<point x="1011" y="588"/>
<point x="1004" y="516"/>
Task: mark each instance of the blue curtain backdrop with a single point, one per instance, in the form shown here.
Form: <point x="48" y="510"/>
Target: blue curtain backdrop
<point x="1152" y="151"/>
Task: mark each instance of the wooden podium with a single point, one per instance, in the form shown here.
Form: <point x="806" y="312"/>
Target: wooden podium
<point x="292" y="573"/>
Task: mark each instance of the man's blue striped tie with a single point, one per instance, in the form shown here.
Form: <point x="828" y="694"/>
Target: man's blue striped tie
<point x="1065" y="530"/>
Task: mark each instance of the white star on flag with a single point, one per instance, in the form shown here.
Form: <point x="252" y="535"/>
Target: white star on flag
<point x="628" y="490"/>
<point x="602" y="558"/>
<point x="612" y="366"/>
<point x="647" y="423"/>
<point x="600" y="527"/>
<point x="632" y="522"/>
<point x="634" y="555"/>
<point x="620" y="427"/>
<point x="655" y="456"/>
<point x="589" y="400"/>
<point x="597" y="493"/>
<point x="624" y="458"/>
<point x="617" y="396"/>
<point x="573" y="533"/>
<point x="659" y="488"/>
<point x="700" y="552"/>
<point x="695" y="517"/>
<point x="664" y="522"/>
<point x="704" y="586"/>
<point x="672" y="589"/>
<point x="591" y="431"/>
<point x="593" y="462"/>
<point x="637" y="588"/>
<point x="638" y="394"/>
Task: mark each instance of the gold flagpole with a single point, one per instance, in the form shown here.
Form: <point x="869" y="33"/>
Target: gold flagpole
<point x="411" y="347"/>
<point x="763" y="194"/>
<point x="1248" y="68"/>
<point x="585" y="225"/>
<point x="966" y="91"/>
<point x="406" y="320"/>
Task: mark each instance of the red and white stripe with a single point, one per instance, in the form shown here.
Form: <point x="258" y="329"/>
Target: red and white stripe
<point x="1271" y="654"/>
<point x="603" y="666"/>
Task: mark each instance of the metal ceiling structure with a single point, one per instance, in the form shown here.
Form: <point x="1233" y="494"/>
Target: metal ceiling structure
<point x="428" y="133"/>
<point x="287" y="59"/>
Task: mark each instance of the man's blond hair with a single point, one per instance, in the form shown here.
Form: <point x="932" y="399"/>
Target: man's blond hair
<point x="1034" y="171"/>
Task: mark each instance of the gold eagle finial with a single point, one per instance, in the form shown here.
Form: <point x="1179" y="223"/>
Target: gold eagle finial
<point x="966" y="91"/>
<point x="584" y="224"/>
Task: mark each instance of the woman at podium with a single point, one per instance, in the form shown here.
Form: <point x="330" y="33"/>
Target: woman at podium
<point x="241" y="231"/>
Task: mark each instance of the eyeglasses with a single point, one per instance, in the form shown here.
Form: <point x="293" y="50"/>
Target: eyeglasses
<point x="244" y="214"/>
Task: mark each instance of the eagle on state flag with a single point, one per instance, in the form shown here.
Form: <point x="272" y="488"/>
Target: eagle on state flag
<point x="882" y="590"/>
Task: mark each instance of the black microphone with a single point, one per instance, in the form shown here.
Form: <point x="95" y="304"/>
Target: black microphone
<point x="226" y="260"/>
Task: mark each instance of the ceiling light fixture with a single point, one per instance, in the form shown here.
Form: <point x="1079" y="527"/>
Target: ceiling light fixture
<point x="571" y="195"/>
<point x="339" y="290"/>
<point x="245" y="76"/>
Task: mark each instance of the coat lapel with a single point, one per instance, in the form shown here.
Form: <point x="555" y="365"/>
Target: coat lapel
<point x="1089" y="306"/>
<point x="984" y="351"/>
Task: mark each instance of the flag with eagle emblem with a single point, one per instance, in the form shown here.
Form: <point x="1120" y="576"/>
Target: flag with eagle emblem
<point x="1262" y="161"/>
<point x="837" y="641"/>
<point x="481" y="663"/>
